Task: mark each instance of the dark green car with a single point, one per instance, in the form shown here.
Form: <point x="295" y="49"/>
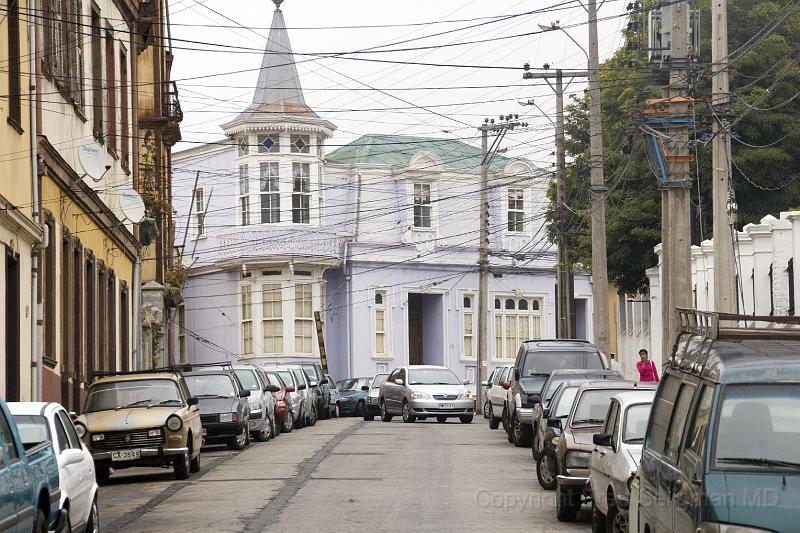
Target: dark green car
<point x="722" y="450"/>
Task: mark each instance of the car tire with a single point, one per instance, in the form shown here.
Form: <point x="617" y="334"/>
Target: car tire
<point x="598" y="520"/>
<point x="288" y="423"/>
<point x="265" y="433"/>
<point x="102" y="474"/>
<point x="336" y="411"/>
<point x="616" y="522"/>
<point x="323" y="412"/>
<point x="276" y="426"/>
<point x="39" y="522"/>
<point x="486" y="406"/>
<point x="194" y="464"/>
<point x="240" y="441"/>
<point x="93" y="523"/>
<point x="181" y="467"/>
<point x="385" y="416"/>
<point x="408" y="418"/>
<point x="441" y="419"/>
<point x="422" y="418"/>
<point x="360" y="409"/>
<point x="544" y="473"/>
<point x="534" y="440"/>
<point x="466" y="419"/>
<point x="522" y="433"/>
<point x="300" y="421"/>
<point x="567" y="504"/>
<point x="312" y="418"/>
<point x="494" y="422"/>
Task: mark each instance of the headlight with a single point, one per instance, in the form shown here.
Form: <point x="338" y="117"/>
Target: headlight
<point x="155" y="433"/>
<point x="416" y="395"/>
<point x="578" y="459"/>
<point x="98" y="437"/>
<point x="80" y="429"/>
<point x="228" y="417"/>
<point x="713" y="527"/>
<point x="347" y="398"/>
<point x="467" y="396"/>
<point x="174" y="423"/>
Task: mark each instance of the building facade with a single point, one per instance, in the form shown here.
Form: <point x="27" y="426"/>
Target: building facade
<point x="379" y="236"/>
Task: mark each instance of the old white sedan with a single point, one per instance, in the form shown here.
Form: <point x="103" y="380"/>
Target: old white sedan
<point x="39" y="422"/>
<point x="615" y="458"/>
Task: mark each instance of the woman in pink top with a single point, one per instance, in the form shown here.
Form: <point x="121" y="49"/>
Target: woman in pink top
<point x="646" y="368"/>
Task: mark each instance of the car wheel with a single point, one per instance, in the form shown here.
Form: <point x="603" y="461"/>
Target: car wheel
<point x="544" y="473"/>
<point x="422" y="418"/>
<point x="486" y="409"/>
<point x="385" y="416"/>
<point x="288" y="422"/>
<point x="312" y="418"/>
<point x="300" y="421"/>
<point x="93" y="523"/>
<point x="360" y="409"/>
<point x="181" y="467"/>
<point x="276" y="426"/>
<point x="598" y="520"/>
<point x="567" y="504"/>
<point x="616" y="521"/>
<point x="194" y="464"/>
<point x="323" y="412"/>
<point x="494" y="422"/>
<point x="535" y="446"/>
<point x="336" y="412"/>
<point x="239" y="442"/>
<point x="265" y="433"/>
<point x="102" y="473"/>
<point x="521" y="433"/>
<point x="465" y="419"/>
<point x="408" y="418"/>
<point x="441" y="419"/>
<point x="39" y="522"/>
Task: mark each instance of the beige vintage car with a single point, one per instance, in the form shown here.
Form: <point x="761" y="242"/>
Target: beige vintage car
<point x="141" y="419"/>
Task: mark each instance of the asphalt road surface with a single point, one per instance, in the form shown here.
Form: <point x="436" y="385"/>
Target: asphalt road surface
<point x="342" y="474"/>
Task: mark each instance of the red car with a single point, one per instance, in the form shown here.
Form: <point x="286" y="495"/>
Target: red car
<point x="283" y="402"/>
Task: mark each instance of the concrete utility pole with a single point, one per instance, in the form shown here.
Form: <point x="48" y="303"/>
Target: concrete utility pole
<point x="506" y="123"/>
<point x="565" y="325"/>
<point x="724" y="260"/>
<point x="600" y="318"/>
<point x="676" y="207"/>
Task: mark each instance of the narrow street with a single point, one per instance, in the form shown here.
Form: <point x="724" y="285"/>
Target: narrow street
<point x="345" y="473"/>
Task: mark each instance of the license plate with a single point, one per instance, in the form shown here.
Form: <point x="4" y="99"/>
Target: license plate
<point x="447" y="405"/>
<point x="126" y="455"/>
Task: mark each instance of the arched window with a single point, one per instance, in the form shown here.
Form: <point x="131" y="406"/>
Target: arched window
<point x="535" y="305"/>
<point x="523" y="305"/>
<point x="378" y="298"/>
<point x="510" y="304"/>
<point x="467" y="302"/>
<point x="497" y="304"/>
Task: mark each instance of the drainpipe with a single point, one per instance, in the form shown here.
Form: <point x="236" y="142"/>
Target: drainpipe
<point x="36" y="376"/>
<point x="137" y="313"/>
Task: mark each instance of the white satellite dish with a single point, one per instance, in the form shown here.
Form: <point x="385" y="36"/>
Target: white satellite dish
<point x="131" y="205"/>
<point x="92" y="159"/>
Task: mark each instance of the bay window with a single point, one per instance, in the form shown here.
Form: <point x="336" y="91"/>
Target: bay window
<point x="247" y="320"/>
<point x="516" y="319"/>
<point x="270" y="193"/>
<point x="303" y="319"/>
<point x="301" y="193"/>
<point x="272" y="317"/>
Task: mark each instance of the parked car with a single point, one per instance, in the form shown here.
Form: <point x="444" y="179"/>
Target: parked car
<point x="283" y="401"/>
<point x="319" y="383"/>
<point x="354" y="395"/>
<point x="498" y="393"/>
<point x="310" y="393"/>
<point x="261" y="423"/>
<point x="372" y="400"/>
<point x="535" y="361"/>
<point x="485" y="385"/>
<point x="29" y="482"/>
<point x="574" y="447"/>
<point x="298" y="394"/>
<point x="142" y="418"/>
<point x="722" y="448"/>
<point x="39" y="423"/>
<point x="546" y="436"/>
<point x="224" y="407"/>
<point x="419" y="391"/>
<point x="615" y="458"/>
<point x="335" y="397"/>
<point x="551" y="385"/>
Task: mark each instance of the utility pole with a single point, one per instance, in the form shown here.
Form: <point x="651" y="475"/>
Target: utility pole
<point x="724" y="266"/>
<point x="600" y="318"/>
<point x="565" y="328"/>
<point x="506" y="123"/>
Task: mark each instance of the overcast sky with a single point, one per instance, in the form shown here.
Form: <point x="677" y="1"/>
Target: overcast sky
<point x="211" y="91"/>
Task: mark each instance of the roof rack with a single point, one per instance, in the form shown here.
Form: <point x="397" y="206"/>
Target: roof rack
<point x="715" y="325"/>
<point x="105" y="373"/>
<point x="188" y="367"/>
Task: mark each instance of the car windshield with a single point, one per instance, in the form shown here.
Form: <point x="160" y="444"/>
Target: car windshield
<point x="286" y="376"/>
<point x="211" y="385"/>
<point x="275" y="379"/>
<point x="759" y="426"/>
<point x="311" y="370"/>
<point x="592" y="406"/>
<point x="248" y="379"/>
<point x="432" y="376"/>
<point x="379" y="380"/>
<point x="565" y="402"/>
<point x="133" y="393"/>
<point x="636" y="423"/>
<point x="555" y="381"/>
<point x="355" y="384"/>
<point x="298" y="375"/>
<point x="537" y="363"/>
<point x="33" y="430"/>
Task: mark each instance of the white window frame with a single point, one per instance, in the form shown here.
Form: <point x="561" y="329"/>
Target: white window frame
<point x="300" y="194"/>
<point x="243" y="146"/>
<point x="468" y="316"/>
<point x="272" y="191"/>
<point x="276" y="148"/>
<point x="523" y="212"/>
<point x="246" y="316"/>
<point x="293" y="137"/>
<point x="534" y="315"/>
<point x="301" y="321"/>
<point x="244" y="194"/>
<point x="382" y="308"/>
<point x="199" y="213"/>
<point x="272" y="289"/>
<point x="429" y="205"/>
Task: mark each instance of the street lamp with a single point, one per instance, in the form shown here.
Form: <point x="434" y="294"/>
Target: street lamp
<point x="556" y="25"/>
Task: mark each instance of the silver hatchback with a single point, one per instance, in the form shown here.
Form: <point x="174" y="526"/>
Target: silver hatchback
<point x="420" y="391"/>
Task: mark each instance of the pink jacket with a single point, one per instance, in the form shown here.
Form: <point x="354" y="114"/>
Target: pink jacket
<point x="647" y="372"/>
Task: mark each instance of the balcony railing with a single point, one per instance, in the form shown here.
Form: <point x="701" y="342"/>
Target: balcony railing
<point x="172" y="106"/>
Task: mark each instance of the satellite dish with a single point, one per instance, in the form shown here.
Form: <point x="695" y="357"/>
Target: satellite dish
<point x="131" y="205"/>
<point x="92" y="159"/>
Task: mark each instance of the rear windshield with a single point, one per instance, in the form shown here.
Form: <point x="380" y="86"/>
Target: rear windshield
<point x="759" y="427"/>
<point x="211" y="385"/>
<point x="540" y="362"/>
<point x="132" y="393"/>
<point x="636" y="423"/>
<point x="33" y="430"/>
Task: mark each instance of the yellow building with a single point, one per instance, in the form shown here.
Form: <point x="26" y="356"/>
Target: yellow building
<point x="19" y="233"/>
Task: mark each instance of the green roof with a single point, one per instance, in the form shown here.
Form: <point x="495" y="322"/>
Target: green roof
<point x="400" y="149"/>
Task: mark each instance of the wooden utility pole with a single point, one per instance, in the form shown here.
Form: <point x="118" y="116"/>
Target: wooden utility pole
<point x="323" y="357"/>
<point x="724" y="260"/>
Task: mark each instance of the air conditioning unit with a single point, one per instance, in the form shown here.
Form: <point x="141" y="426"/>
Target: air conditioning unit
<point x="659" y="31"/>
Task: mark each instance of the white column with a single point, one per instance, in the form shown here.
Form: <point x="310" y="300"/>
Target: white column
<point x="762" y="258"/>
<point x="707" y="248"/>
<point x="781" y="253"/>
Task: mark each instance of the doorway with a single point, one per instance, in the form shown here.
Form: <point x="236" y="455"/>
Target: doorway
<point x="12" y="283"/>
<point x="425" y="329"/>
<point x="415" y="329"/>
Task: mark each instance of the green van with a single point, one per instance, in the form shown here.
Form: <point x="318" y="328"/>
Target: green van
<point x="722" y="449"/>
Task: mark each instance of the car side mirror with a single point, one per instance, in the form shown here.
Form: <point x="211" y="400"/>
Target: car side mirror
<point x="271" y="388"/>
<point x="323" y="382"/>
<point x="398" y="381"/>
<point x="302" y="386"/>
<point x="192" y="400"/>
<point x="244" y="393"/>
<point x="71" y="457"/>
<point x="365" y="387"/>
<point x="546" y="413"/>
<point x="313" y="383"/>
<point x="290" y="388"/>
<point x="554" y="423"/>
<point x="601" y="439"/>
<point x="73" y="415"/>
<point x="486" y="383"/>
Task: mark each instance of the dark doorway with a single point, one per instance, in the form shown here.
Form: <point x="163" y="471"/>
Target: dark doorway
<point x="12" y="327"/>
<point x="415" y="329"/>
